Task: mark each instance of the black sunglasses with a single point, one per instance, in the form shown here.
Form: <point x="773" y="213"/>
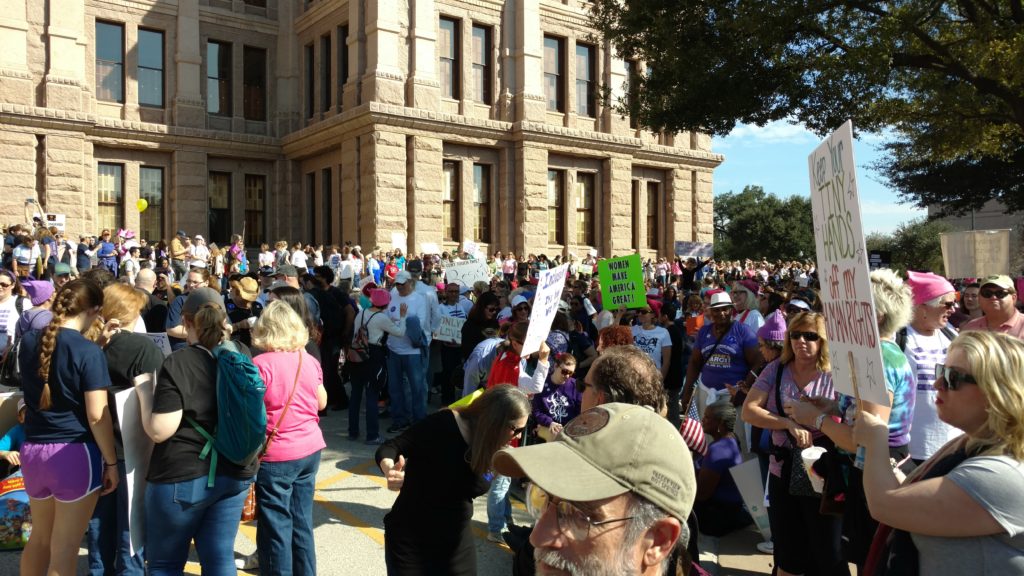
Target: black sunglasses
<point x="516" y="431"/>
<point x="952" y="378"/>
<point x="999" y="294"/>
<point x="947" y="305"/>
<point x="808" y="336"/>
<point x="522" y="307"/>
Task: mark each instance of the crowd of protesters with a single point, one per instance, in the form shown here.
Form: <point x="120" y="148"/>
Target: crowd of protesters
<point x="732" y="356"/>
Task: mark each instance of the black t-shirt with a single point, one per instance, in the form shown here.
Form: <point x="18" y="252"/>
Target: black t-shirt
<point x="188" y="382"/>
<point x="439" y="484"/>
<point x="237" y="314"/>
<point x="130" y="354"/>
<point x="77" y="366"/>
<point x="154" y="315"/>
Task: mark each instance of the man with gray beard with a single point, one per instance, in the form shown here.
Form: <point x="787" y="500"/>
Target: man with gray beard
<point x="611" y="494"/>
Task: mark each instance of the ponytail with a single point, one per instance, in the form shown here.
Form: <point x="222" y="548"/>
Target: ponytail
<point x="74" y="298"/>
<point x="209" y="324"/>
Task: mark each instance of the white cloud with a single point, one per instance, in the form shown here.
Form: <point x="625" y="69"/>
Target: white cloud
<point x="778" y="132"/>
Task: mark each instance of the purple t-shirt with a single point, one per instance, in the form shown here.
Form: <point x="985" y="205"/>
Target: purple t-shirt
<point x="820" y="385"/>
<point x="722" y="455"/>
<point x="557" y="403"/>
<point x="727" y="364"/>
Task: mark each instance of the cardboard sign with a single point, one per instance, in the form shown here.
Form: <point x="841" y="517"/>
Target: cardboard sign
<point x="450" y="330"/>
<point x="56" y="220"/>
<point x="161" y="341"/>
<point x="430" y="248"/>
<point x="852" y="326"/>
<point x="466" y="272"/>
<point x="750" y="483"/>
<point x="694" y="249"/>
<point x="550" y="284"/>
<point x="622" y="282"/>
<point x="137" y="450"/>
<point x="976" y="253"/>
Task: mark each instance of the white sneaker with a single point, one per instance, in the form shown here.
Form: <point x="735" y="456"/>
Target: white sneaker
<point x="249" y="562"/>
<point x="495" y="537"/>
<point x="766" y="547"/>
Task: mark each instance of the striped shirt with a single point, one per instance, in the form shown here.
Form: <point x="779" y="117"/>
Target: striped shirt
<point x="927" y="432"/>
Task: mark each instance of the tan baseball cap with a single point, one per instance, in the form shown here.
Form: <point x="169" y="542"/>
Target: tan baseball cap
<point x="1001" y="281"/>
<point x="606" y="451"/>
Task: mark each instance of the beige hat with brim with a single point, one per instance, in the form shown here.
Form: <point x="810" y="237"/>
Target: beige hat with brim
<point x="606" y="451"/>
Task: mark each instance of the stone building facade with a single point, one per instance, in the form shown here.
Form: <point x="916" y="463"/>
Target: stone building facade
<point x="383" y="122"/>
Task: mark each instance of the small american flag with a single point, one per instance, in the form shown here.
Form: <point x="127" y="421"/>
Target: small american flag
<point x="693" y="432"/>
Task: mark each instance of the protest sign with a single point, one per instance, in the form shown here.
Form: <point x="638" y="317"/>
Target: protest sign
<point x="161" y="341"/>
<point x="976" y="253"/>
<point x="450" y="330"/>
<point x="466" y="272"/>
<point x="429" y="248"/>
<point x="137" y="450"/>
<point x="694" y="249"/>
<point x="750" y="483"/>
<point x="879" y="259"/>
<point x="470" y="247"/>
<point x="843" y="269"/>
<point x="622" y="282"/>
<point x="545" y="305"/>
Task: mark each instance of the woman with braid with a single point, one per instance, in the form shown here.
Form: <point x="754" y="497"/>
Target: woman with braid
<point x="68" y="458"/>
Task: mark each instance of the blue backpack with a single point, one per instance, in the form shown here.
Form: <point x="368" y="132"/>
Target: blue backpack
<point x="240" y="392"/>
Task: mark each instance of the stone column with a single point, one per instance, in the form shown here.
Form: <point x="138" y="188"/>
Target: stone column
<point x="66" y="163"/>
<point x="285" y="99"/>
<point x="18" y="165"/>
<point x="349" y="189"/>
<point x="188" y="105"/>
<point x="382" y="173"/>
<point x="618" y="217"/>
<point x="352" y="92"/>
<point x="531" y="199"/>
<point x="529" y="53"/>
<point x="189" y="198"/>
<point x="423" y="90"/>
<point x="384" y="81"/>
<point x="15" y="78"/>
<point x="704" y="225"/>
<point x="130" y="196"/>
<point x="681" y="203"/>
<point x="425" y="179"/>
<point x="66" y="76"/>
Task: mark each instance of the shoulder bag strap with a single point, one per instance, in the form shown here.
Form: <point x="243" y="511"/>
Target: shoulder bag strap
<point x="688" y="394"/>
<point x="273" y="433"/>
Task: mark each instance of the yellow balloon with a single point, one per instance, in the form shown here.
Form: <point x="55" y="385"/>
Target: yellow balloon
<point x="141" y="204"/>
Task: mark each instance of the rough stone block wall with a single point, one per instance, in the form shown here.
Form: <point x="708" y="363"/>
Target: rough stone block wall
<point x="425" y="181"/>
<point x="619" y="199"/>
<point x="66" y="194"/>
<point x="189" y="178"/>
<point x="532" y="211"/>
<point x="18" y="167"/>
<point x="705" y="227"/>
<point x="382" y="174"/>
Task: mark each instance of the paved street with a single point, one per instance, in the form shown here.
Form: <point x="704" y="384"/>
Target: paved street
<point x="351" y="501"/>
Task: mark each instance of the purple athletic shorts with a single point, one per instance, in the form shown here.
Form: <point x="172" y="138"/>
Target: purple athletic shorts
<point x="67" y="472"/>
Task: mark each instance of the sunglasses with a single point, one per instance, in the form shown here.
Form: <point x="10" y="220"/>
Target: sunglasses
<point x="795" y="310"/>
<point x="952" y="378"/>
<point x="807" y="336"/>
<point x="6" y="285"/>
<point x="567" y="372"/>
<point x="516" y="431"/>
<point x="947" y="305"/>
<point x="999" y="294"/>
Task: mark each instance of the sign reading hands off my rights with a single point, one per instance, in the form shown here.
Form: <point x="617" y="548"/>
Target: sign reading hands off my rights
<point x="843" y="271"/>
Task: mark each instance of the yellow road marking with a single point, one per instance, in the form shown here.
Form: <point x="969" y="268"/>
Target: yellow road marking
<point x="372" y="532"/>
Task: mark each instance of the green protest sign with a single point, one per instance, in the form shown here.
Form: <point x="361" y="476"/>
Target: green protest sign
<point x="622" y="282"/>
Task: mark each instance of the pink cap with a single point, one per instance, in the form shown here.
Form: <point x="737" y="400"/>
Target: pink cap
<point x="774" y="328"/>
<point x="926" y="286"/>
<point x="380" y="298"/>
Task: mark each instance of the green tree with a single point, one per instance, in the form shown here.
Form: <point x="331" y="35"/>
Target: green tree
<point x="914" y="245"/>
<point x="755" y="224"/>
<point x="944" y="76"/>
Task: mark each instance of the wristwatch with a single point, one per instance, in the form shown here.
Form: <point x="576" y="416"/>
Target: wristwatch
<point x="819" y="421"/>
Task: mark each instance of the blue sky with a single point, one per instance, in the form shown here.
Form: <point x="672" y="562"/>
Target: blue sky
<point x="775" y="157"/>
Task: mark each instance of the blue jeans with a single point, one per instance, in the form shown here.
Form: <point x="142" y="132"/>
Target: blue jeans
<point x="499" y="507"/>
<point x="179" y="512"/>
<point x="284" y="521"/>
<point x="109" y="539"/>
<point x="365" y="377"/>
<point x="411" y="407"/>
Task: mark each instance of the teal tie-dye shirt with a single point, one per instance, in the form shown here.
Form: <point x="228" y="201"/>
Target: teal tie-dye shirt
<point x="899" y="381"/>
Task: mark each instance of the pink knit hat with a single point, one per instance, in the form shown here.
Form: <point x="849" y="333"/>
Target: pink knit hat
<point x="774" y="328"/>
<point x="926" y="286"/>
<point x="380" y="298"/>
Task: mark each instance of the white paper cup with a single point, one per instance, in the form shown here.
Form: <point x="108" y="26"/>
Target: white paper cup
<point x="810" y="456"/>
